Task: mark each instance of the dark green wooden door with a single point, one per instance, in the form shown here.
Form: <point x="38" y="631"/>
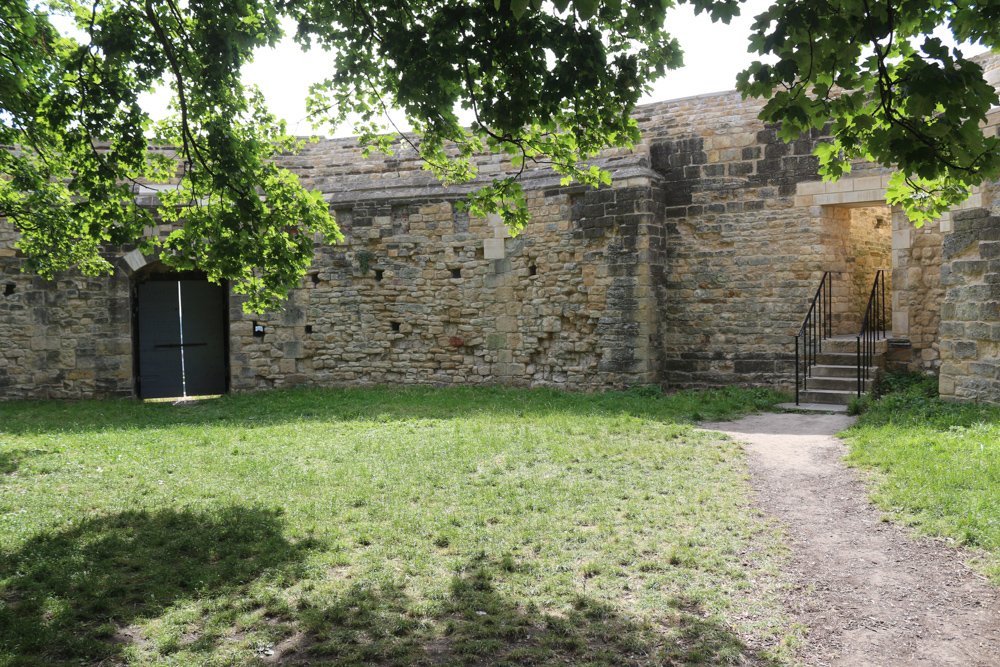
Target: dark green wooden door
<point x="159" y="337"/>
<point x="204" y="311"/>
<point x="181" y="338"/>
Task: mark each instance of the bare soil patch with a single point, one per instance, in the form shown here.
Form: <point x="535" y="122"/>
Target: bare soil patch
<point x="872" y="593"/>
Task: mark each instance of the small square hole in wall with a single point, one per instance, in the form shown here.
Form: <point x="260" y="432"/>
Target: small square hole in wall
<point x="456" y="273"/>
<point x="9" y="288"/>
<point x="480" y="253"/>
<point x="345" y="218"/>
<point x="532" y="270"/>
<point x="378" y="275"/>
<point x="315" y="279"/>
<point x="309" y="328"/>
<point x="258" y="329"/>
<point x="394" y="325"/>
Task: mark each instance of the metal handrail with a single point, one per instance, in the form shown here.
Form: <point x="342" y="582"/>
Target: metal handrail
<point x="817" y="325"/>
<point x="873" y="328"/>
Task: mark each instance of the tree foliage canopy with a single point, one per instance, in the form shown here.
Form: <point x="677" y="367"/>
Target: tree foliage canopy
<point x="548" y="83"/>
<point x="894" y="92"/>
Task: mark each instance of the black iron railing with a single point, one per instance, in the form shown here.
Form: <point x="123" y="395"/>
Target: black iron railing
<point x="817" y="325"/>
<point x="873" y="328"/>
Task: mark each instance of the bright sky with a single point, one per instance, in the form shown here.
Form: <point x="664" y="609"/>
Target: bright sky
<point x="714" y="54"/>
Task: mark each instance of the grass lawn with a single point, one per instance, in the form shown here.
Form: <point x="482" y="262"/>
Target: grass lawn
<point x="938" y="467"/>
<point x="385" y="527"/>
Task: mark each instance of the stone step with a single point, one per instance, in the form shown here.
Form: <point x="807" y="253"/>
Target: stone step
<point x="813" y="407"/>
<point x="838" y="383"/>
<point x="827" y="396"/>
<point x="845" y="359"/>
<point x="829" y="371"/>
<point x="849" y="345"/>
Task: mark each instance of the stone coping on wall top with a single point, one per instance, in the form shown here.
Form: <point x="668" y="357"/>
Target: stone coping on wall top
<point x="384" y="187"/>
<point x="403" y="189"/>
<point x="643" y="109"/>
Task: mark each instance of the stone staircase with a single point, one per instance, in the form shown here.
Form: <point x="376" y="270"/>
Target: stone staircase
<point x="834" y="379"/>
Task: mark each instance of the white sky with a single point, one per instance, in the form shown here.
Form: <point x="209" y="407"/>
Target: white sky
<point x="714" y="54"/>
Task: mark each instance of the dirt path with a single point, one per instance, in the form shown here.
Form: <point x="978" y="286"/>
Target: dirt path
<point x="870" y="593"/>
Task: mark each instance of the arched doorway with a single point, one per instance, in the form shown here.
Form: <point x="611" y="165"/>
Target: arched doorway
<point x="181" y="324"/>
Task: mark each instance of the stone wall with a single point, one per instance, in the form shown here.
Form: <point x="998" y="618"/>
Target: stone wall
<point x="421" y="294"/>
<point x="870" y="245"/>
<point x="67" y="338"/>
<point x="970" y="274"/>
<point x="746" y="252"/>
<point x="854" y="245"/>
<point x="917" y="293"/>
<point x="970" y="313"/>
<point x="741" y="261"/>
<point x="693" y="269"/>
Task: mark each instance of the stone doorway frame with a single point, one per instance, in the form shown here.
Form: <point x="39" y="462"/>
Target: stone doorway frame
<point x="917" y="293"/>
<point x="140" y="268"/>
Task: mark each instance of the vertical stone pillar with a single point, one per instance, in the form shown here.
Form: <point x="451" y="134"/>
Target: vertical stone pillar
<point x="917" y="292"/>
<point x="902" y="235"/>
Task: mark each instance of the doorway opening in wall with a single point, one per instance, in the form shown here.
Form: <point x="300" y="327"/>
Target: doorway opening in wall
<point x="865" y="249"/>
<point x="180" y="327"/>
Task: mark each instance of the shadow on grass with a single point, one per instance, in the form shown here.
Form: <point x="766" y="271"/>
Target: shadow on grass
<point x="379" y="404"/>
<point x="65" y="593"/>
<point x="10" y="461"/>
<point x="479" y="624"/>
<point x="66" y="597"/>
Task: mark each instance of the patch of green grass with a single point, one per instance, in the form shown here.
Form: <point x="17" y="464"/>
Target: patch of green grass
<point x="939" y="465"/>
<point x="906" y="382"/>
<point x="385" y="527"/>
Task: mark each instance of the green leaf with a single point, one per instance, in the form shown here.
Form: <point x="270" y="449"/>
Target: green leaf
<point x="586" y="8"/>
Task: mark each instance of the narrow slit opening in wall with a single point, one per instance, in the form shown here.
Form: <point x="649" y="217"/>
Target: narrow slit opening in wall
<point x="9" y="288"/>
<point x="378" y="275"/>
<point x="394" y="325"/>
<point x="456" y="273"/>
<point x="532" y="270"/>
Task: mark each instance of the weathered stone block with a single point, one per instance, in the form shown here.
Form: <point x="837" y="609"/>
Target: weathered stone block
<point x="966" y="350"/>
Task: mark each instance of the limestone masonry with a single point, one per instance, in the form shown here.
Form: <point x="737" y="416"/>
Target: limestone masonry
<point x="694" y="268"/>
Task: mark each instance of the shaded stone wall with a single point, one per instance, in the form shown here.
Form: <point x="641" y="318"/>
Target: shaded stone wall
<point x="836" y="236"/>
<point x="970" y="314"/>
